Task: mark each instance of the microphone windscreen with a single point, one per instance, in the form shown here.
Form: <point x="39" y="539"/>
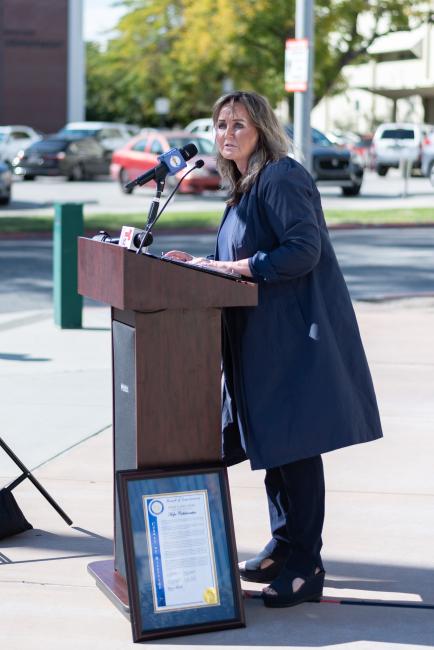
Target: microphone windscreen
<point x="199" y="164"/>
<point x="188" y="151"/>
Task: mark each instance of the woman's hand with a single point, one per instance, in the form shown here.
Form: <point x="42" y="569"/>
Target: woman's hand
<point x="240" y="266"/>
<point x="181" y="256"/>
<point x="178" y="255"/>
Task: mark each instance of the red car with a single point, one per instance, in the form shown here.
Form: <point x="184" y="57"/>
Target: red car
<point x="141" y="154"/>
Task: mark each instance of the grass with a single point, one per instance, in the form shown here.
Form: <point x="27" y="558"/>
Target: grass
<point x="413" y="216"/>
<point x="210" y="220"/>
<point x="113" y="222"/>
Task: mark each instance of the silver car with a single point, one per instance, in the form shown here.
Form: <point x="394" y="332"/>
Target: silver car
<point x="16" y="138"/>
<point x="5" y="183"/>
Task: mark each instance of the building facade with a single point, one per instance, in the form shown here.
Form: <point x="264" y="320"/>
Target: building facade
<point x="42" y="79"/>
<point x="397" y="84"/>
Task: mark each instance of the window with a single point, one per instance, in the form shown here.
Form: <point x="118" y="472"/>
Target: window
<point x="140" y="145"/>
<point x="156" y="147"/>
<point x="398" y="134"/>
<point x="49" y="145"/>
<point x="109" y="133"/>
<point x="19" y="135"/>
<point x="204" y="146"/>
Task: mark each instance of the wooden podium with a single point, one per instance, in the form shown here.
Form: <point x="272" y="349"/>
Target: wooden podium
<point x="166" y="347"/>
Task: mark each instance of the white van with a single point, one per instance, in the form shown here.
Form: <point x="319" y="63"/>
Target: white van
<point x="397" y="141"/>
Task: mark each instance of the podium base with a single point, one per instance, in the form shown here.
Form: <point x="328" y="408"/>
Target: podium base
<point x="111" y="584"/>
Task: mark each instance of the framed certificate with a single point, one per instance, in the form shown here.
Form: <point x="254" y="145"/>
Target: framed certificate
<point x="180" y="551"/>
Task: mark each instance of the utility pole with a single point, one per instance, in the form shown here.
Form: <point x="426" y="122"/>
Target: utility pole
<point x="303" y="100"/>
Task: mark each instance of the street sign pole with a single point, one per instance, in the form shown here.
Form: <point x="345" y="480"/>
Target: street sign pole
<point x="303" y="99"/>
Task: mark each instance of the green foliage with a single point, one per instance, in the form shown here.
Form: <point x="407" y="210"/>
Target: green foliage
<point x="187" y="49"/>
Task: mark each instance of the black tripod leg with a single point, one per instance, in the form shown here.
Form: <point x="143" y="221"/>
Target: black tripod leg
<point x="27" y="474"/>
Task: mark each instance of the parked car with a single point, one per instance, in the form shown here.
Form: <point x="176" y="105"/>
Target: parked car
<point x="202" y="127"/>
<point x="14" y="139"/>
<point x="75" y="158"/>
<point x="141" y="154"/>
<point x="333" y="165"/>
<point x="5" y="183"/>
<point x="110" y="135"/>
<point x="427" y="163"/>
<point x="395" y="141"/>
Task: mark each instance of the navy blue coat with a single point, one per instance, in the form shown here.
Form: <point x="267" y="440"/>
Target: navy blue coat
<point x="296" y="380"/>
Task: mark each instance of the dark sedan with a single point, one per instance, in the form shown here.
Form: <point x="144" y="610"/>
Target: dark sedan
<point x="332" y="165"/>
<point x="75" y="158"/>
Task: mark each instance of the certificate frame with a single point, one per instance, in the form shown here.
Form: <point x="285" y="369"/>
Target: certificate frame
<point x="164" y="514"/>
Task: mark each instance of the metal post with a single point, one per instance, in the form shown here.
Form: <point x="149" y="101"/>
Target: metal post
<point x="68" y="225"/>
<point x="303" y="100"/>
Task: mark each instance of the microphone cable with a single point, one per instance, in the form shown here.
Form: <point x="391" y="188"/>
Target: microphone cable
<point x="197" y="165"/>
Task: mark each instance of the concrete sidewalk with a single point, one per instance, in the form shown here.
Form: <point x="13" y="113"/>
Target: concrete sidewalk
<point x="379" y="531"/>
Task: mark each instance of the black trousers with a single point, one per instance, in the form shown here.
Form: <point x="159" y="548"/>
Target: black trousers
<point x="296" y="495"/>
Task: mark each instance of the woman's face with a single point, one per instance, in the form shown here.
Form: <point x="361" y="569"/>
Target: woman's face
<point x="236" y="135"/>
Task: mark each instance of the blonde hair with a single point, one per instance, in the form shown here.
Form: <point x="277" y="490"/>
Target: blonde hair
<point x="273" y="143"/>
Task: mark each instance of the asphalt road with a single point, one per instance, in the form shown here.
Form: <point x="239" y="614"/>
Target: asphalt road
<point x="377" y="263"/>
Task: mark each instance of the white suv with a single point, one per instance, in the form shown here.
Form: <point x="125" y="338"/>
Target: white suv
<point x="14" y="139"/>
<point x="203" y="127"/>
<point x="395" y="141"/>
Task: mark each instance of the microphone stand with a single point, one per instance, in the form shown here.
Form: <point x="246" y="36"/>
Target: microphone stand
<point x="152" y="214"/>
<point x="153" y="210"/>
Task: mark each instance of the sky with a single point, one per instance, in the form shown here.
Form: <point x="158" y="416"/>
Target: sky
<point x="100" y="16"/>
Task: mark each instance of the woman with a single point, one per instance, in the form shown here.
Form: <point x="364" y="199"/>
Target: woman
<point x="296" y="380"/>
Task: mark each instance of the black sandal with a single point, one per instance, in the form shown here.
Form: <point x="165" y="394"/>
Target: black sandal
<point x="252" y="572"/>
<point x="311" y="589"/>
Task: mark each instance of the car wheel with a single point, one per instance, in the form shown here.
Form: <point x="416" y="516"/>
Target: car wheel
<point x="354" y="190"/>
<point x="123" y="180"/>
<point x="76" y="173"/>
<point x="4" y="200"/>
<point x="382" y="170"/>
<point x="431" y="173"/>
<point x="28" y="177"/>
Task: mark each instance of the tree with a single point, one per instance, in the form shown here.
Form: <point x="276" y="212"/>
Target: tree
<point x="186" y="49"/>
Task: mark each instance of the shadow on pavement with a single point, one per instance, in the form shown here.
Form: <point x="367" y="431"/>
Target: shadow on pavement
<point x="311" y="625"/>
<point x="328" y="624"/>
<point x="85" y="544"/>
<point x="21" y="357"/>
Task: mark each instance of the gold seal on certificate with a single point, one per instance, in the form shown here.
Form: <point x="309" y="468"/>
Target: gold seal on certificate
<point x="181" y="550"/>
<point x="210" y="596"/>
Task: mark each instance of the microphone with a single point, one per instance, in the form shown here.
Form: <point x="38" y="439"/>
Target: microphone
<point x="171" y="162"/>
<point x="102" y="235"/>
<point x="130" y="238"/>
